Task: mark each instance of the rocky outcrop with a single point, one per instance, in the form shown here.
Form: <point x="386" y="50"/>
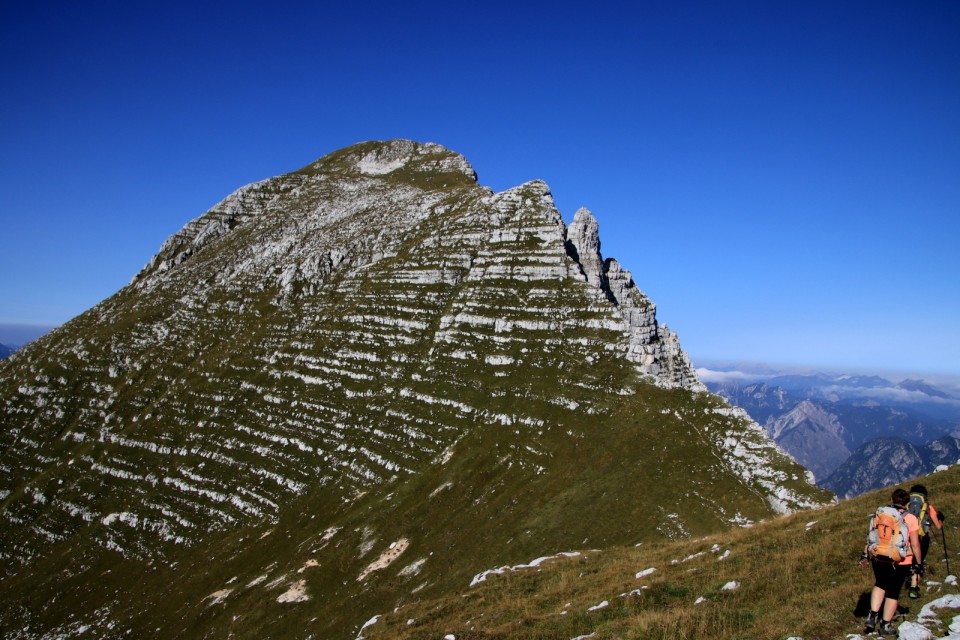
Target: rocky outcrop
<point x="656" y="350"/>
<point x="583" y="245"/>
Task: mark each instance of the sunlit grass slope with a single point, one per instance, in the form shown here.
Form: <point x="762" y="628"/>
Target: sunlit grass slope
<point x="794" y="577"/>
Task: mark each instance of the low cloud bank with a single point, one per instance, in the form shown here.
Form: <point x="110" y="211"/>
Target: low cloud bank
<point x="835" y="391"/>
<point x="887" y="395"/>
<point x="722" y="377"/>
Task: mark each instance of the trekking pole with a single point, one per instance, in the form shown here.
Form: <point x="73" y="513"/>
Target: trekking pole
<point x="945" y="556"/>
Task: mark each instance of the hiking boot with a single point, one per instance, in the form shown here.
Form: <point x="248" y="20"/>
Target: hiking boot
<point x="888" y="630"/>
<point x="914" y="592"/>
<point x="872" y="619"/>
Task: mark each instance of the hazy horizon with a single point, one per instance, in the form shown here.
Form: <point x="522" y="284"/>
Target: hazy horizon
<point x="19" y="335"/>
<point x="719" y="370"/>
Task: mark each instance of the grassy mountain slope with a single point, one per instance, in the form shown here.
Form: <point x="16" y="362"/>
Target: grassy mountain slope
<point x="797" y="576"/>
<point x="373" y="351"/>
<point x="474" y="512"/>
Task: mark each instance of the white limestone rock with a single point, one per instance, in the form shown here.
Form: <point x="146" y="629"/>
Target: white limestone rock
<point x="583" y="238"/>
<point x="656" y="351"/>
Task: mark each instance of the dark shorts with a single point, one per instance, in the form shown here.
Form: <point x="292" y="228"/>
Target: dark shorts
<point x="890" y="577"/>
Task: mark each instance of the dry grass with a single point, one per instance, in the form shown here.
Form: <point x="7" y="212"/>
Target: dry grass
<point x="795" y="579"/>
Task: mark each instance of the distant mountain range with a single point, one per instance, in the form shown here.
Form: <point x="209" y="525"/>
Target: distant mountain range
<point x="856" y="433"/>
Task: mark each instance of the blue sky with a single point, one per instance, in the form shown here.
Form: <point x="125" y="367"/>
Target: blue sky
<point x="780" y="177"/>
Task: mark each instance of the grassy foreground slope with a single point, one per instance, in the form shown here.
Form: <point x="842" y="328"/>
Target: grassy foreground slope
<point x="304" y="576"/>
<point x="788" y="577"/>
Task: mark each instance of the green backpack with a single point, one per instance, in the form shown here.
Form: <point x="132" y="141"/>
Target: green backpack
<point x="918" y="506"/>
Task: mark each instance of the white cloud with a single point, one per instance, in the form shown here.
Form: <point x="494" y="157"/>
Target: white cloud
<point x="832" y="392"/>
<point x="721" y="377"/>
<point x="887" y="394"/>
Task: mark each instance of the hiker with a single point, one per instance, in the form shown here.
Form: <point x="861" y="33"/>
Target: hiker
<point x="892" y="548"/>
<point x="927" y="516"/>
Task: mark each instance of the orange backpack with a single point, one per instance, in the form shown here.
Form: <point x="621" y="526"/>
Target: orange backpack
<point x="888" y="536"/>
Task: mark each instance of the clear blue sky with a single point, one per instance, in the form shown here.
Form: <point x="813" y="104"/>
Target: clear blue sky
<point x="782" y="178"/>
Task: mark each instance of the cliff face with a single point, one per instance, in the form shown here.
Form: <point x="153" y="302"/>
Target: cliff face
<point x="813" y="436"/>
<point x="370" y="351"/>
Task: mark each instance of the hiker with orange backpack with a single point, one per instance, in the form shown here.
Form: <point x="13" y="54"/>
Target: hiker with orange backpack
<point x="893" y="548"/>
<point x="928" y="518"/>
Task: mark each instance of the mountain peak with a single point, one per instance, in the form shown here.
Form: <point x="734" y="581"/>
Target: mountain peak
<point x="371" y="355"/>
<point x="384" y="157"/>
<point x="922" y="386"/>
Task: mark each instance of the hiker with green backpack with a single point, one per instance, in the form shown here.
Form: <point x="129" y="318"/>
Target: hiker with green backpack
<point x="928" y="517"/>
<point x="893" y="549"/>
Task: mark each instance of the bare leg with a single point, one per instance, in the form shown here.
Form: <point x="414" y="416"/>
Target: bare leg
<point x="889" y="609"/>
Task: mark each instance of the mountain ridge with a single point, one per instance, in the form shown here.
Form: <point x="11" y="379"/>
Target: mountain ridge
<point x="368" y="354"/>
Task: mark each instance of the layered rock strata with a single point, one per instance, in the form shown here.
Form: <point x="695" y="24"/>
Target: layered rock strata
<point x="334" y="328"/>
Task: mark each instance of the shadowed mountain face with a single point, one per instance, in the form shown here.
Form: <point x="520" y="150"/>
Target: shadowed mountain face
<point x="813" y="436"/>
<point x="888" y="461"/>
<point x="349" y="386"/>
<point x="835" y="428"/>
